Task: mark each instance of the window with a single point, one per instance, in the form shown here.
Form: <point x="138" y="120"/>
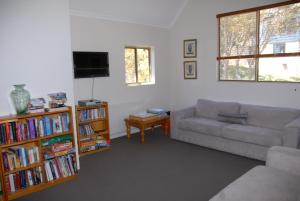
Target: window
<point x="260" y="44"/>
<point x="138" y="68"/>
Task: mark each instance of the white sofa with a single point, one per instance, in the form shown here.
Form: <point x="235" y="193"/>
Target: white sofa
<point x="279" y="180"/>
<point x="264" y="127"/>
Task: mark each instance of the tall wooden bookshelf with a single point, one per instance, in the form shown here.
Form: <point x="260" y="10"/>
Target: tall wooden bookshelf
<point x="93" y="134"/>
<point x="37" y="152"/>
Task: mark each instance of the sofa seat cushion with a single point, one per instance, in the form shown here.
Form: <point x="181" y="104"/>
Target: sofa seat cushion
<point x="262" y="184"/>
<point x="251" y="134"/>
<point x="202" y="125"/>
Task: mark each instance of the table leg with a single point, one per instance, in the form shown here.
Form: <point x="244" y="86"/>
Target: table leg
<point x="128" y="130"/>
<point x="142" y="135"/>
<point x="167" y="127"/>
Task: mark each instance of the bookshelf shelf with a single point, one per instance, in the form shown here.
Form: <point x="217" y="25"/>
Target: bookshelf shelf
<point x="18" y="143"/>
<point x="93" y="135"/>
<point x="92" y="128"/>
<point x="91" y="121"/>
<point x="56" y="135"/>
<point x="34" y="174"/>
<point x="23" y="168"/>
<point x="39" y="187"/>
<point x="95" y="151"/>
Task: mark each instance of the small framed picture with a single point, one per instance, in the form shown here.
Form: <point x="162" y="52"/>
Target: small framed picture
<point x="190" y="48"/>
<point x="190" y="69"/>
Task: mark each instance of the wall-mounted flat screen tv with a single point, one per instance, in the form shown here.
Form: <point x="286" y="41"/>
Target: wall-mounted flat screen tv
<point x="90" y="64"/>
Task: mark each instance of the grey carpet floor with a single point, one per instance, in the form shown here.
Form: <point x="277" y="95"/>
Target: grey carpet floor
<point x="159" y="170"/>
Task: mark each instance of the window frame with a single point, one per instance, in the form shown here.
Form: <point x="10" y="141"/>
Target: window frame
<point x="136" y="65"/>
<point x="257" y="55"/>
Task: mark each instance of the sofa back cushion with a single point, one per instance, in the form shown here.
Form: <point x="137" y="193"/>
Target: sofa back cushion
<point x="211" y="109"/>
<point x="269" y="117"/>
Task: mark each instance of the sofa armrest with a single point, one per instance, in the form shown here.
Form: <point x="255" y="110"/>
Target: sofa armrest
<point x="291" y="134"/>
<point x="284" y="158"/>
<point x="180" y="114"/>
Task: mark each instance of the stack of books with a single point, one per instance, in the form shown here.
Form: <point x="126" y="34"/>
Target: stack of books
<point x="58" y="146"/>
<point x="57" y="99"/>
<point x="24" y="179"/>
<point x="60" y="167"/>
<point x="17" y="157"/>
<point x="58" y="149"/>
<point x="36" y="105"/>
<point x="90" y="144"/>
<point x="59" y="139"/>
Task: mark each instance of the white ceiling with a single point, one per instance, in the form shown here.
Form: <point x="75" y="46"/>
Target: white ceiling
<point x="160" y="13"/>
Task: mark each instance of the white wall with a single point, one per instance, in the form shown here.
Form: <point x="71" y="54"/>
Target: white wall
<point x="198" y="20"/>
<point x="34" y="49"/>
<point x="90" y="34"/>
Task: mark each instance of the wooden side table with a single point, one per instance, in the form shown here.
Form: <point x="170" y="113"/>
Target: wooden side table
<point x="143" y="124"/>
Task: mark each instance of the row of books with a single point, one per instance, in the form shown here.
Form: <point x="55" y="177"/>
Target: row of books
<point x="86" y="129"/>
<point x="23" y="179"/>
<point x="91" y="114"/>
<point x="60" y="167"/>
<point x="91" y="144"/>
<point x="17" y="157"/>
<point x="53" y="124"/>
<point x="17" y="131"/>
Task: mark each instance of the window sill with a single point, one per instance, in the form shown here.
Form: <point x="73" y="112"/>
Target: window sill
<point x="140" y="84"/>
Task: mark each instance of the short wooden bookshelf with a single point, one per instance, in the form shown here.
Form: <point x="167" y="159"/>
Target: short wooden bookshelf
<point x="93" y="132"/>
<point x="37" y="152"/>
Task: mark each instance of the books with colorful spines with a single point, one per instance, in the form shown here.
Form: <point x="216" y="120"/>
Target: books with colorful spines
<point x="7" y="132"/>
<point x="48" y="171"/>
<point x="11" y="183"/>
<point x="70" y="162"/>
<point x="47" y="125"/>
<point x="41" y="128"/>
<point x="18" y="130"/>
<point x="65" y="121"/>
<point x="32" y="128"/>
<point x="57" y="124"/>
<point x="2" y="134"/>
<point x="12" y="130"/>
<point x="30" y="179"/>
<point x="17" y="181"/>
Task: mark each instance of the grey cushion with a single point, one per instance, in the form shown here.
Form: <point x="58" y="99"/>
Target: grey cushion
<point x="254" y="135"/>
<point x="202" y="125"/>
<point x="262" y="184"/>
<point x="269" y="117"/>
<point x="211" y="109"/>
<point x="233" y="118"/>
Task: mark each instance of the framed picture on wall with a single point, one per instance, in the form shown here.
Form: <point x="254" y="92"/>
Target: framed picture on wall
<point x="190" y="69"/>
<point x="190" y="48"/>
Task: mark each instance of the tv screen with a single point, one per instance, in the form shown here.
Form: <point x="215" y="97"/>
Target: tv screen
<point x="90" y="64"/>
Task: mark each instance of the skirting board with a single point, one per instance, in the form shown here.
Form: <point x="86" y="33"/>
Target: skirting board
<point x="133" y="131"/>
